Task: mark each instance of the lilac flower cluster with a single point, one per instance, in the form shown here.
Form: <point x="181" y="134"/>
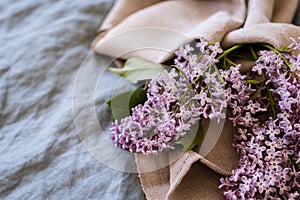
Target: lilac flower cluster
<point x="267" y="115"/>
<point x="264" y="104"/>
<point x="176" y="100"/>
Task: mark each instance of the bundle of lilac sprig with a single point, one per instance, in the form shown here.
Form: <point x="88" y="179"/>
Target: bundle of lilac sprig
<point x="265" y="106"/>
<point x="266" y="109"/>
<point x="176" y="101"/>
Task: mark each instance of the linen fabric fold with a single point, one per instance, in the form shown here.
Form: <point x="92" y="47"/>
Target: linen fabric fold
<point x="229" y="21"/>
<point x="193" y="175"/>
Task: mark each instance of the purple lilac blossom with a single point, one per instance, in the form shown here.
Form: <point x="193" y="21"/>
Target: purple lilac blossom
<point x="267" y="116"/>
<point x="268" y="148"/>
<point x="176" y="100"/>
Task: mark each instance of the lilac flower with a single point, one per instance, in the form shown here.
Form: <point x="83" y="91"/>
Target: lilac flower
<point x="266" y="114"/>
<point x="286" y="153"/>
<point x="269" y="191"/>
<point x="176" y="100"/>
<point x="254" y="107"/>
<point x="283" y="91"/>
<point x="271" y="132"/>
<point x="285" y="174"/>
<point x="210" y="78"/>
<point x="247" y="120"/>
<point x="184" y="51"/>
<point x="273" y="144"/>
<point x="246" y="183"/>
<point x="202" y="44"/>
<point x="267" y="57"/>
<point x="260" y="185"/>
<point x="295" y="64"/>
<point x="293" y="196"/>
<point x="285" y="125"/>
<point x="215" y="49"/>
<point x="259" y="134"/>
<point x="258" y="68"/>
<point x="295" y="45"/>
<point x="269" y="151"/>
<point x="230" y="195"/>
<point x="243" y="134"/>
<point x="286" y="104"/>
<point x="271" y="154"/>
<point x="203" y="98"/>
<point x="283" y="188"/>
<point x="235" y="107"/>
<point x="271" y="178"/>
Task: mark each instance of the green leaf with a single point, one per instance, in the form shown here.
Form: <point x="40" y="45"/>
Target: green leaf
<point x="185" y="141"/>
<point x="139" y="96"/>
<point x="254" y="82"/>
<point x="136" y="69"/>
<point x="121" y="104"/>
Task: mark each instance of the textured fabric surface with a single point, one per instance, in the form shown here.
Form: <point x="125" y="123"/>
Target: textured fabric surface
<point x="43" y="43"/>
<point x="191" y="18"/>
<point x="228" y="21"/>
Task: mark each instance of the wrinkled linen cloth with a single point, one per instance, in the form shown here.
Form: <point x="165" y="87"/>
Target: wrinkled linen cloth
<point x="43" y="43"/>
<point x="125" y="34"/>
<point x="229" y="21"/>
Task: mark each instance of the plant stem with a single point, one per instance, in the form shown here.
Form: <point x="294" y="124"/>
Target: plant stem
<point x="229" y="61"/>
<point x="256" y="92"/>
<point x="224" y="65"/>
<point x="272" y="103"/>
<point x="228" y="51"/>
<point x="253" y="53"/>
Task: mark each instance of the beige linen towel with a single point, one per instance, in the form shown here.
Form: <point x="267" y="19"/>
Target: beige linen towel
<point x="193" y="176"/>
